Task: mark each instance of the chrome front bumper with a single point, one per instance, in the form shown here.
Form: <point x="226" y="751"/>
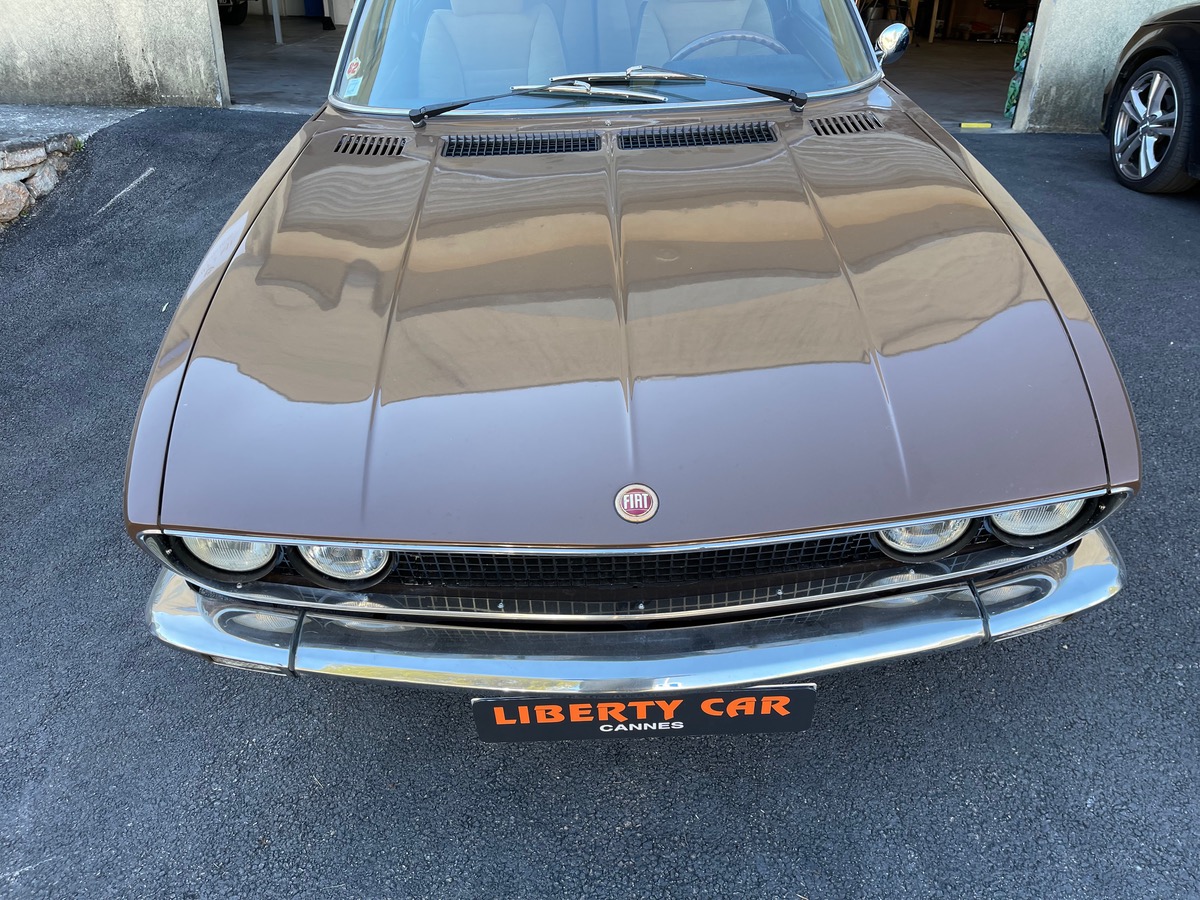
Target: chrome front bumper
<point x="497" y="659"/>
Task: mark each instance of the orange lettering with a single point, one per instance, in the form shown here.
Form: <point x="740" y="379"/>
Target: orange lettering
<point x="641" y="706"/>
<point x="710" y="706"/>
<point x="610" y="711"/>
<point x="580" y="712"/>
<point x="523" y="714"/>
<point x="547" y="714"/>
<point x="668" y="707"/>
<point x="501" y="719"/>
<point x="741" y="706"/>
<point x="777" y="705"/>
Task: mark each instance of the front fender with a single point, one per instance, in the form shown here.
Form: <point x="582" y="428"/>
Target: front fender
<point x="152" y="429"/>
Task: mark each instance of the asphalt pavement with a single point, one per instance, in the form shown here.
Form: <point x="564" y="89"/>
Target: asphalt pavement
<point x="1060" y="764"/>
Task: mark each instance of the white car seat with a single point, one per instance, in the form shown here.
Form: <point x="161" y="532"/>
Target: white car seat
<point x="488" y="46"/>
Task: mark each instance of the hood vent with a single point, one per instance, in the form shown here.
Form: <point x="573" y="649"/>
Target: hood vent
<point x="697" y="136"/>
<point x="521" y="144"/>
<point x="369" y="145"/>
<point x="850" y="123"/>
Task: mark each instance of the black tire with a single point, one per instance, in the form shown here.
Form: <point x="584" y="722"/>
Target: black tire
<point x="1146" y="156"/>
<point x="235" y="14"/>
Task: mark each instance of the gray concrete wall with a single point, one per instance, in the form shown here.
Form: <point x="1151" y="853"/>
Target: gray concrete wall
<point x="112" y="53"/>
<point x="1074" y="53"/>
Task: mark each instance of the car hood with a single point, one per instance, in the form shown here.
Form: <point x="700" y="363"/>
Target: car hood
<point x="814" y="331"/>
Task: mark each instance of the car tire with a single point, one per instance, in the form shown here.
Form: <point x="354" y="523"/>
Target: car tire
<point x="234" y="14"/>
<point x="1153" y="127"/>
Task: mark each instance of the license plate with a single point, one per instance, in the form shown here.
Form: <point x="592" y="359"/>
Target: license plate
<point x="754" y="710"/>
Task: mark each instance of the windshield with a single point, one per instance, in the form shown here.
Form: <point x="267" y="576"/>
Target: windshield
<point x="405" y="54"/>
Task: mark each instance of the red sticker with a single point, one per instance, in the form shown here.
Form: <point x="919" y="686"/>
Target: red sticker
<point x="353" y="68"/>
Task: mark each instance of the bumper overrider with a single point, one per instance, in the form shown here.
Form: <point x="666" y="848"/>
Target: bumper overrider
<point x="585" y="658"/>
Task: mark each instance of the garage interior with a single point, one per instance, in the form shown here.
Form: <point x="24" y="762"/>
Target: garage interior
<point x="292" y="76"/>
<point x="958" y="66"/>
<point x="960" y="60"/>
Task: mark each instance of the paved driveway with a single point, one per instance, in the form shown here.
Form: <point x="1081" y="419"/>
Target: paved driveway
<point x="1062" y="764"/>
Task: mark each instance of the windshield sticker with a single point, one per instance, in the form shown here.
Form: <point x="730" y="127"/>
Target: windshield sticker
<point x="353" y="67"/>
<point x="352" y="87"/>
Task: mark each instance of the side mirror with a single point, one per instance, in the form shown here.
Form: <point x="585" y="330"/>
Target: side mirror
<point x="891" y="43"/>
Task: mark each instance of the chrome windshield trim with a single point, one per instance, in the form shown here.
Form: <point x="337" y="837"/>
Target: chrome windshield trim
<point x="596" y="109"/>
<point x="565" y="550"/>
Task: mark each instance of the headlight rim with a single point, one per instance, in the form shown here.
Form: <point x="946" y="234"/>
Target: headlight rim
<point x="188" y="559"/>
<point x="1078" y="524"/>
<point x="311" y="573"/>
<point x="950" y="549"/>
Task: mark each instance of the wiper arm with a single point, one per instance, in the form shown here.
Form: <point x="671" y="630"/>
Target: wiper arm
<point x="576" y="88"/>
<point x="651" y="74"/>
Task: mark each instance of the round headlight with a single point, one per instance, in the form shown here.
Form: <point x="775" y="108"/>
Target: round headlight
<point x="345" y="563"/>
<point x="248" y="559"/>
<point x="1035" y="521"/>
<point x="924" y="540"/>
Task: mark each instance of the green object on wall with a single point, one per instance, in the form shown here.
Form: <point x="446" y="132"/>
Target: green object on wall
<point x="1014" y="86"/>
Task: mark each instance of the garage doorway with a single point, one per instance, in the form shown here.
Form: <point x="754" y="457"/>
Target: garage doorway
<point x="960" y="63"/>
<point x="292" y="76"/>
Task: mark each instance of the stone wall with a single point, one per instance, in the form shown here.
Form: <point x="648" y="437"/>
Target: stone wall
<point x="29" y="170"/>
<point x="112" y="53"/>
<point x="1074" y="53"/>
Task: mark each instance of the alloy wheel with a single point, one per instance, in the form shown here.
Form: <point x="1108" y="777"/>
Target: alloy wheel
<point x="1145" y="125"/>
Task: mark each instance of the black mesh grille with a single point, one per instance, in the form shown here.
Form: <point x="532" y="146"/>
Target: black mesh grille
<point x="624" y="570"/>
<point x="695" y="600"/>
<point x="850" y="123"/>
<point x="369" y="145"/>
<point x="520" y="144"/>
<point x="697" y="136"/>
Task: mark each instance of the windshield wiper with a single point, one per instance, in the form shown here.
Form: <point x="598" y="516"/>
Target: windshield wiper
<point x="590" y="86"/>
<point x="558" y="87"/>
<point x="652" y="74"/>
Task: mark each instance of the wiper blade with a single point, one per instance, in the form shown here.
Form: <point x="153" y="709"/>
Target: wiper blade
<point x="587" y="89"/>
<point x="652" y="74"/>
<point x="576" y="88"/>
<point x="632" y="75"/>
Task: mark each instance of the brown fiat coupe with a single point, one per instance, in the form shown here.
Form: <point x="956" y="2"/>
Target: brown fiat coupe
<point x="648" y="352"/>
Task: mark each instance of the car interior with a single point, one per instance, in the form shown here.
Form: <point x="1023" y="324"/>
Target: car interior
<point x="449" y="49"/>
